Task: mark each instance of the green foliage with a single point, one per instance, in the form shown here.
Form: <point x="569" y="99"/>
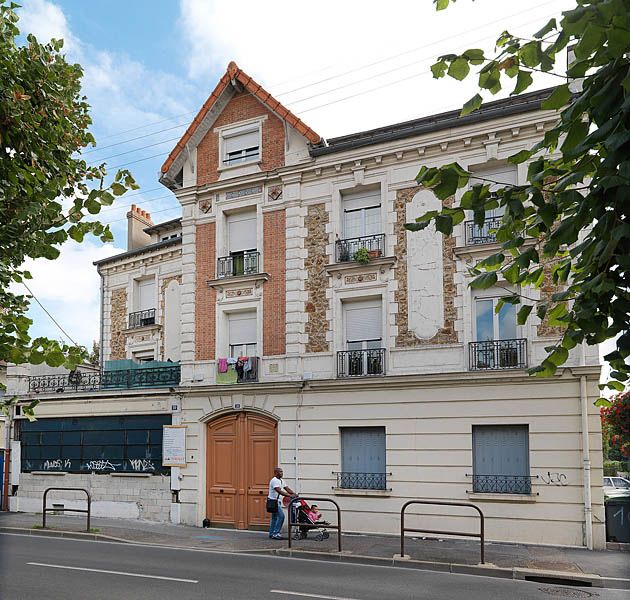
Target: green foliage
<point x="362" y="256"/>
<point x="46" y="187"/>
<point x="613" y="467"/>
<point x="574" y="208"/>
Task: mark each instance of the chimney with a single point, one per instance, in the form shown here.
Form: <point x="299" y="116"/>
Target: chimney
<point x="137" y="220"/>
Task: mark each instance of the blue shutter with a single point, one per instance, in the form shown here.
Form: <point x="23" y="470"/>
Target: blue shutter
<point x="363" y="457"/>
<point x="501" y="458"/>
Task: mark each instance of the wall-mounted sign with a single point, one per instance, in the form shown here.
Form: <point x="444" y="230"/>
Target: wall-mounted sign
<point x="174" y="446"/>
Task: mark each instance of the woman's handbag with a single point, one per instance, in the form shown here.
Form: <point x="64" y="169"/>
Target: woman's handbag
<point x="272" y="505"/>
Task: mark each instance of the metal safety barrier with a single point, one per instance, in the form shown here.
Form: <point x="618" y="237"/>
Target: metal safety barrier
<point x="77" y="510"/>
<point x="403" y="529"/>
<point x="311" y="526"/>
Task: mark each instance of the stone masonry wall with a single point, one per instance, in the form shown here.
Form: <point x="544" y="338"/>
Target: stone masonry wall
<point x="130" y="497"/>
<point x="316" y="260"/>
<point x="547" y="289"/>
<point x="119" y="312"/>
<point x="446" y="334"/>
<point x="274" y="305"/>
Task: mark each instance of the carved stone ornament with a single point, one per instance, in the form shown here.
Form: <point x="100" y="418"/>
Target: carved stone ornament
<point x="363" y="278"/>
<point x="275" y="192"/>
<point x="238" y="293"/>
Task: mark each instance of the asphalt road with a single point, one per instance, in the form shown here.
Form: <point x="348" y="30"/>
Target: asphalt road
<point x="46" y="568"/>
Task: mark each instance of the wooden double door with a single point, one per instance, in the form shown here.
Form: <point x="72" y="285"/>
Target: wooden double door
<point x="242" y="451"/>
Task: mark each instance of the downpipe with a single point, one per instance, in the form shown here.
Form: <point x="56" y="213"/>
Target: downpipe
<point x="586" y="459"/>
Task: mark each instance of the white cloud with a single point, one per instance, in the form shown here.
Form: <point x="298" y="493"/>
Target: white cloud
<point x="45" y="21"/>
<point x="284" y="45"/>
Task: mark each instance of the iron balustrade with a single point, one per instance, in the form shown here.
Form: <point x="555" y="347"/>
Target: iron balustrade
<point x="361" y="481"/>
<point x="244" y="263"/>
<point x="241" y="156"/>
<point x="502" y="484"/>
<point x="142" y="318"/>
<point x="498" y="354"/>
<point x="92" y="382"/>
<point x="403" y="529"/>
<point x="482" y="234"/>
<point x="374" y="244"/>
<point x="291" y="523"/>
<point x="361" y="363"/>
<point x="87" y="511"/>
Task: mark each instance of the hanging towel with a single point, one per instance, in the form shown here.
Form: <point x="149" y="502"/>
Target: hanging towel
<point x="223" y="365"/>
<point x="231" y="361"/>
<point x="247" y="364"/>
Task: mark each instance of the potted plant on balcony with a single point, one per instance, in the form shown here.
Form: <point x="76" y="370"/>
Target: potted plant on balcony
<point x="362" y="256"/>
<point x="374" y="253"/>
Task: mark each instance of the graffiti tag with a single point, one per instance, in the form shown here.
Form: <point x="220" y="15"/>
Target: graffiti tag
<point x="554" y="478"/>
<point x="141" y="464"/>
<point x="100" y="465"/>
<point x="57" y="464"/>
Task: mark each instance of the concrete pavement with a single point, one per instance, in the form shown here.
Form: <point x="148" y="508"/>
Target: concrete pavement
<point x="57" y="569"/>
<point x="606" y="569"/>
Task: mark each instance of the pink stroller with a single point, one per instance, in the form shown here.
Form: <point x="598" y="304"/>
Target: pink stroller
<point x="300" y="514"/>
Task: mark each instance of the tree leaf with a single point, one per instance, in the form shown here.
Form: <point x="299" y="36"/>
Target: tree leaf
<point x="459" y="69"/>
<point x="559" y="97"/>
<point x="550" y="26"/>
<point x="472" y="105"/>
<point x="484" y="281"/>
<point x="523" y="81"/>
<point x="523" y="314"/>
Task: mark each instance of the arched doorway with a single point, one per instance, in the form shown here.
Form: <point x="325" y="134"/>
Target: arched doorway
<point x="242" y="450"/>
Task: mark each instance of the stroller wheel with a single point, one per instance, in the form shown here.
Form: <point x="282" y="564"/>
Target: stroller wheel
<point x="325" y="535"/>
<point x="303" y="535"/>
<point x="319" y="537"/>
<point x="297" y="535"/>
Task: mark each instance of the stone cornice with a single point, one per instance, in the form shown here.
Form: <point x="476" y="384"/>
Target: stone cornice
<point x="228" y="282"/>
<point x="352" y="266"/>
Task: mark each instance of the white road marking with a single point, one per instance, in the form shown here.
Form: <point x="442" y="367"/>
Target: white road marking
<point x="36" y="564"/>
<point x="305" y="595"/>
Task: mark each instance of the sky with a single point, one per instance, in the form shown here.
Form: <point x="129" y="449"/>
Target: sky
<point x="150" y="64"/>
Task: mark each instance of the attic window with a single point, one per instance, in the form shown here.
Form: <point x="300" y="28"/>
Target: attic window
<point x="241" y="145"/>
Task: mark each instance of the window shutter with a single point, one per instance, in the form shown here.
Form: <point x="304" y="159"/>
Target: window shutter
<point x="363" y="449"/>
<point x="242" y="328"/>
<point x="501" y="450"/>
<point x="503" y="175"/>
<point x="241" y="141"/>
<point x="146" y="294"/>
<point x="242" y="232"/>
<point x="362" y="199"/>
<point x="363" y="320"/>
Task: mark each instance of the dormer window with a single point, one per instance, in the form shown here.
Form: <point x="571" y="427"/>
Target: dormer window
<point x="241" y="145"/>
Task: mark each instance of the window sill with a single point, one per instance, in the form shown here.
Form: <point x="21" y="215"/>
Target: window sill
<point x="142" y="329"/>
<point x="246" y="163"/>
<point x="352" y="265"/>
<point x="254" y="278"/>
<point x="351" y="492"/>
<point x="131" y="474"/>
<point x="497" y="497"/>
<point x="49" y="473"/>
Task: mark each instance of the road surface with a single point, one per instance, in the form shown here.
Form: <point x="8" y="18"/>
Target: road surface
<point x="48" y="568"/>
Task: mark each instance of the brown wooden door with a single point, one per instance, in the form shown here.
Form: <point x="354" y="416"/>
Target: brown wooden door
<point x="242" y="451"/>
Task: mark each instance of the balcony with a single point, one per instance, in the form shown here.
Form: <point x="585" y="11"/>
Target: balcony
<point x="361" y="481"/>
<point x="346" y="249"/>
<point x="244" y="263"/>
<point x="482" y="234"/>
<point x="361" y="363"/>
<point x="142" y="318"/>
<point x="498" y="354"/>
<point x="502" y="484"/>
<point x="239" y="372"/>
<point x="76" y="381"/>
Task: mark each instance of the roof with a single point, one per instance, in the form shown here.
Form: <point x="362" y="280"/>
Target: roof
<point x="149" y="248"/>
<point x="234" y="74"/>
<point x="509" y="106"/>
<point x="165" y="225"/>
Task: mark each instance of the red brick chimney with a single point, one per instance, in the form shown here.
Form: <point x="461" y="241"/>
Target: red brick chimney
<point x="137" y="220"/>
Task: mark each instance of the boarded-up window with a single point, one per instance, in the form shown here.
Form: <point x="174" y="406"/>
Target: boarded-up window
<point x="501" y="459"/>
<point x="363" y="458"/>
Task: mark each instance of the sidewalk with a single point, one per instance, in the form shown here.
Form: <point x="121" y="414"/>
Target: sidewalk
<point x="506" y="560"/>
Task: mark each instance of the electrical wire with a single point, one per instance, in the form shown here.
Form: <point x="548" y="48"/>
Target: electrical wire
<point x="51" y="317"/>
<point x="134" y="139"/>
<point x="134" y="150"/>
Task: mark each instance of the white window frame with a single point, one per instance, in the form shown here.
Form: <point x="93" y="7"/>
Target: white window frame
<point x="236" y="129"/>
<point x="361" y="210"/>
<point x="495" y="319"/>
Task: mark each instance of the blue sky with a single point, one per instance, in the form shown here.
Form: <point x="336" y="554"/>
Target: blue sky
<point x="150" y="64"/>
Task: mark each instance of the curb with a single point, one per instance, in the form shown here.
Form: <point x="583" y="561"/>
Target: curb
<point x="77" y="535"/>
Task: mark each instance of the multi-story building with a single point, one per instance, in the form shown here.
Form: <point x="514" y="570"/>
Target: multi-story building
<point x="288" y="317"/>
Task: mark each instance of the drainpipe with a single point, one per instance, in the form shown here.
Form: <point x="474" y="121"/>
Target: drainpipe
<point x="586" y="458"/>
<point x="101" y="347"/>
<point x="297" y="435"/>
<point x="8" y="423"/>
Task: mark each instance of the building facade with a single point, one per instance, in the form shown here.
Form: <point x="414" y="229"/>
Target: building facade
<point x="288" y="317"/>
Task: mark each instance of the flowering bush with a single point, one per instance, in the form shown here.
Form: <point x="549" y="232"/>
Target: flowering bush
<point x="616" y="423"/>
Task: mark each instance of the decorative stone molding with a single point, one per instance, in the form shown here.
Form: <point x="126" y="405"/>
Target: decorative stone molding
<point x="240" y="292"/>
<point x="364" y="278"/>
<point x="118" y="318"/>
<point x="316" y="326"/>
<point x="446" y="334"/>
<point x="274" y="193"/>
<point x="249" y="191"/>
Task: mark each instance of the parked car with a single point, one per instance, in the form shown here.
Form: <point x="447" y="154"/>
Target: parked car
<point x="614" y="487"/>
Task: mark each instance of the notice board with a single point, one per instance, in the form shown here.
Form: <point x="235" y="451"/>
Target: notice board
<point x="174" y="446"/>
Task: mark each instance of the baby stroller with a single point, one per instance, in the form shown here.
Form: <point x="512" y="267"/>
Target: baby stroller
<point x="299" y="514"/>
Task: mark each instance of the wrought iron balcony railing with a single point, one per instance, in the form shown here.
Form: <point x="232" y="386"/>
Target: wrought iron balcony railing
<point x="482" y="234"/>
<point x="502" y="484"/>
<point x="374" y="244"/>
<point x="142" y="318"/>
<point x="243" y="263"/>
<point x="106" y="380"/>
<point x="498" y="354"/>
<point x="361" y="481"/>
<point x="361" y="363"/>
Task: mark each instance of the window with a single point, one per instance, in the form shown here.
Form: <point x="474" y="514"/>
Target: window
<point x="143" y="356"/>
<point x="492" y="326"/>
<point x="501" y="459"/>
<point x="241" y="145"/>
<point x="94" y="444"/>
<point x="242" y="334"/>
<point x="362" y="458"/>
<point x="242" y="244"/>
<point x="361" y="213"/>
<point x="145" y="294"/>
<point x="364" y="353"/>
